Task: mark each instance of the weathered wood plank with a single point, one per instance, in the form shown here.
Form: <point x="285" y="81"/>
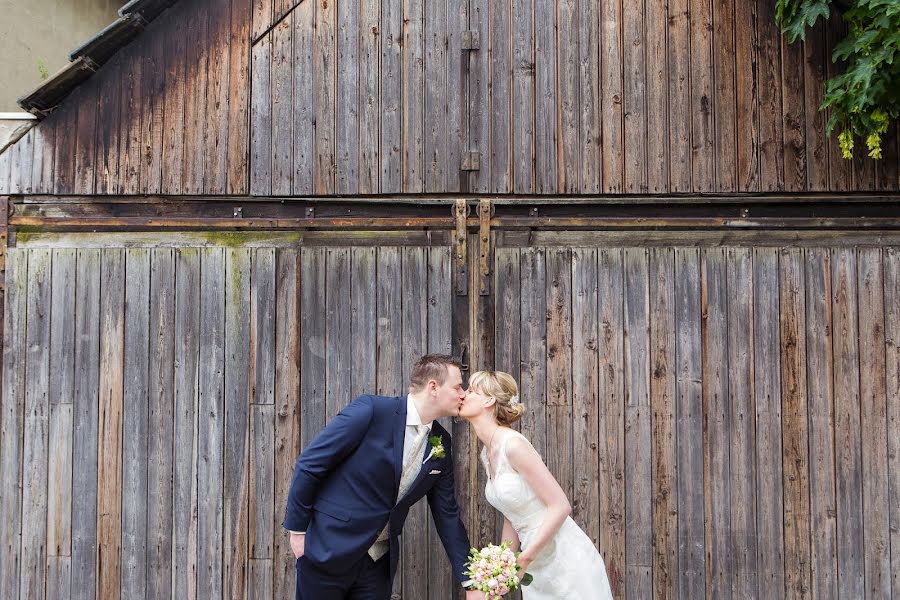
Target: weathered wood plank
<point x="820" y="390"/>
<point x="743" y="418"/>
<point x="559" y="367"/>
<point x="65" y="120"/>
<point x="261" y="513"/>
<point x="195" y="115"/>
<point x="873" y="424"/>
<point x="262" y="361"/>
<point x="237" y="157"/>
<point x="337" y="331"/>
<point x="546" y="136"/>
<point x="215" y="140"/>
<point x="589" y="97"/>
<point x="312" y="350"/>
<point x="261" y="118"/>
<point x="12" y="421"/>
<point x="59" y="490"/>
<point x="794" y="116"/>
<point x="638" y="465"/>
<point x="635" y="100"/>
<point x="347" y="112"/>
<point x="187" y="411"/>
<point x="363" y="326"/>
<point x="107" y="171"/>
<point x="262" y="17"/>
<point x="259" y="577"/>
<point x="679" y="94"/>
<point x="689" y="418"/>
<point x="391" y="101"/>
<point x="5" y="158"/>
<point x="771" y="157"/>
<point x="611" y="447"/>
<point x="130" y="125"/>
<point x="501" y="68"/>
<point x="59" y="577"/>
<point x="85" y="143"/>
<point x="533" y="382"/>
<point x="716" y="419"/>
<point x="62" y="333"/>
<point x="20" y="178"/>
<point x="840" y="172"/>
<point x="568" y="104"/>
<point x="847" y="440"/>
<point x="369" y="99"/>
<point x="478" y="68"/>
<point x="662" y="421"/>
<point x="892" y="372"/>
<point x="702" y="100"/>
<point x="174" y="107"/>
<point x="287" y="403"/>
<point x="85" y="418"/>
<point x="324" y="95"/>
<point x="153" y="107"/>
<point x="36" y="427"/>
<point x="815" y="55"/>
<point x="522" y="94"/>
<point x="160" y="446"/>
<point x="725" y="99"/>
<point x="279" y="43"/>
<point x="302" y="97"/>
<point x="414" y="333"/>
<point x="237" y="440"/>
<point x="412" y="85"/>
<point x="656" y="54"/>
<point x="457" y="88"/>
<point x="507" y="323"/>
<point x="135" y="423"/>
<point x="211" y="459"/>
<point x="111" y="405"/>
<point x="795" y="448"/>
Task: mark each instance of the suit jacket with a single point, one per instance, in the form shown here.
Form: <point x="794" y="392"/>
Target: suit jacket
<point x="345" y="488"/>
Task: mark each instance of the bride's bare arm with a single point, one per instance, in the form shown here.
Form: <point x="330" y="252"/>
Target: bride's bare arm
<point x="510" y="535"/>
<point x="529" y="465"/>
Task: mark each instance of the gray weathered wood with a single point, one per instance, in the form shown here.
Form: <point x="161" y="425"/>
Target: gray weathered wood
<point x="478" y="65"/>
<point x="161" y="434"/>
<point x="568" y="105"/>
<point x="259" y="578"/>
<point x="237" y="161"/>
<point x="501" y="81"/>
<point x="261" y="514"/>
<point x="635" y="98"/>
<point x="589" y="96"/>
<point x="59" y="577"/>
<point x="559" y="367"/>
<point x="280" y="71"/>
<point x="302" y="97"/>
<point x="523" y="96"/>
<point x="638" y="465"/>
<point x="324" y="96"/>
<point x="679" y="95"/>
<point x="218" y="55"/>
<point x="261" y="118"/>
<point x="370" y="95"/>
<point x="532" y="384"/>
<point x="437" y="167"/>
<point x="546" y="94"/>
<point x="363" y="325"/>
<point x="412" y="85"/>
<point x="391" y="102"/>
<point x="702" y="91"/>
<point x="135" y="423"/>
<point x="892" y="376"/>
<point x="59" y="490"/>
<point x="173" y="132"/>
<point x="312" y="340"/>
<point x="236" y="483"/>
<point x="873" y="424"/>
<point x="337" y="331"/>
<point x="263" y="327"/>
<point x="85" y="145"/>
<point x="725" y="94"/>
<point x="130" y="125"/>
<point x="692" y="547"/>
<point x="656" y="55"/>
<point x="847" y="441"/>
<point x="348" y="101"/>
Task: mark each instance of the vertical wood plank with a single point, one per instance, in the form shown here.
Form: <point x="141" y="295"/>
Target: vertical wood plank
<point x="324" y="94"/>
<point x="59" y="578"/>
<point x="724" y="100"/>
<point x="153" y="107"/>
<point x="771" y="158"/>
<point x="662" y="420"/>
<point x="457" y="88"/>
<point x="873" y="424"/>
<point x="85" y="142"/>
<point x="589" y="94"/>
<point x="500" y="155"/>
<point x="746" y="45"/>
<point x="287" y="404"/>
<point x="5" y="157"/>
<point x="635" y="98"/>
<point x="363" y="326"/>
<point x="638" y="483"/>
<point x="259" y="576"/>
<point x="679" y="90"/>
<point x="12" y="422"/>
<point x="111" y="404"/>
<point x="793" y="115"/>
<point x="412" y="85"/>
<point x="337" y="331"/>
<point x="347" y="116"/>
<point x="611" y="449"/>
<point x="130" y="124"/>
<point x="892" y="371"/>
<point x="261" y="118"/>
<point x="237" y="157"/>
<point x="478" y="66"/>
<point x="568" y="107"/>
<point x="236" y="484"/>
<point x="196" y="94"/>
<point x="59" y="501"/>
<point x="262" y="361"/>
<point x="173" y="132"/>
<point x="262" y="483"/>
<point x="559" y="367"/>
<point x="135" y="423"/>
<point x="369" y="98"/>
<point x="42" y="165"/>
<point x="656" y="54"/>
<point x="304" y="151"/>
<point x="20" y="178"/>
<point x="35" y="443"/>
<point x="65" y="121"/>
<point x="210" y="434"/>
<point x="390" y="141"/>
<point x="263" y="16"/>
<point x="281" y="72"/>
<point x="794" y="425"/>
<point x="533" y="338"/>
<point x="702" y="101"/>
<point x="848" y="461"/>
<point x="187" y="412"/>
<point x="820" y="390"/>
<point x="689" y="417"/>
<point x="215" y="138"/>
<point x="160" y="447"/>
<point x="742" y="457"/>
<point x="523" y="99"/>
<point x="85" y="442"/>
<point x="717" y="418"/>
<point x="107" y="170"/>
<point x="507" y="324"/>
<point x="312" y="350"/>
<point x="840" y="172"/>
<point x="546" y="97"/>
<point x="816" y="58"/>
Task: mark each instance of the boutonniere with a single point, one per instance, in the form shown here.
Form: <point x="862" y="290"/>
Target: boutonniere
<point x="437" y="448"/>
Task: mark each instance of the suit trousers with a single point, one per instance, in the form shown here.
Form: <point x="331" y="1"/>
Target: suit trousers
<point x="366" y="580"/>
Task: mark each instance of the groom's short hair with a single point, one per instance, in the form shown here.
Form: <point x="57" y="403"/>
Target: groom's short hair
<point x="432" y="366"/>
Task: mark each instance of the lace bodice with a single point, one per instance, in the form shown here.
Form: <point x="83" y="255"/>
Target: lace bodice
<point x="508" y="492"/>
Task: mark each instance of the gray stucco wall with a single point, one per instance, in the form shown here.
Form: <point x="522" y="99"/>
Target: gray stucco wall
<point x="45" y="30"/>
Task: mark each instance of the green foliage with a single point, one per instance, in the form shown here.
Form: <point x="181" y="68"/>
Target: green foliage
<point x="42" y="69"/>
<point x="863" y="100"/>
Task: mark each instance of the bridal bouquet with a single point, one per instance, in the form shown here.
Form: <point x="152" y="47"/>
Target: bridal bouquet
<point x="494" y="571"/>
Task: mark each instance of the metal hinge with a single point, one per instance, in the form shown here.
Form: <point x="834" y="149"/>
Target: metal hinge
<point x="460" y="248"/>
<point x="485" y="212"/>
<point x="470" y="40"/>
<point x="471" y="161"/>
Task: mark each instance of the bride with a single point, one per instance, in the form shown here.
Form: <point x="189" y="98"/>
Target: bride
<point x="555" y="551"/>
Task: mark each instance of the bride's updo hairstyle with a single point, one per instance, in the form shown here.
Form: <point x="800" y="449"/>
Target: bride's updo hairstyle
<point x="502" y="387"/>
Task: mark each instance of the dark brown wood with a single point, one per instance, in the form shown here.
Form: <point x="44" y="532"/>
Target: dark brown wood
<point x="771" y="158"/>
<point x="793" y="115"/>
<point x="725" y="65"/>
<point x="174" y="109"/>
<point x="746" y="141"/>
<point x="816" y="59"/>
<point x="892" y="375"/>
<point x="237" y="159"/>
<point x="215" y="140"/>
<point x="679" y="95"/>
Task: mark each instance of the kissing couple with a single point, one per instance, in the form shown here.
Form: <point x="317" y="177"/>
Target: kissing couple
<point x="354" y="485"/>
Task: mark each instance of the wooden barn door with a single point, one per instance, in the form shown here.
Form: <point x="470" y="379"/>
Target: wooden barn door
<point x="156" y="398"/>
<point x="724" y="419"/>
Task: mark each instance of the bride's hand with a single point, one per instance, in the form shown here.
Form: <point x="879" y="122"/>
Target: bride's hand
<point x="524" y="561"/>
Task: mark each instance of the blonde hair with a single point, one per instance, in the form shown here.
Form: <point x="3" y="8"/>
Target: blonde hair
<point x="501" y="387"/>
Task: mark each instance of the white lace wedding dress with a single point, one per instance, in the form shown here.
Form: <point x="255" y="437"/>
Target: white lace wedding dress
<point x="569" y="566"/>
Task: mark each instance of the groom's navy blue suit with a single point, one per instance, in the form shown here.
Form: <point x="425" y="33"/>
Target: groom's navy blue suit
<point x="344" y="491"/>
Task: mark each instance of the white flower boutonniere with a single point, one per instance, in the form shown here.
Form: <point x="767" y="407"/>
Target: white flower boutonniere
<point x="437" y="448"/>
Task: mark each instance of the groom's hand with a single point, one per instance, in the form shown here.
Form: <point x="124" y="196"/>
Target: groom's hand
<point x="298" y="542"/>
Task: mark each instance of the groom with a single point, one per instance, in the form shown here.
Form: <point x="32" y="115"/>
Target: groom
<point x="355" y="483"/>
